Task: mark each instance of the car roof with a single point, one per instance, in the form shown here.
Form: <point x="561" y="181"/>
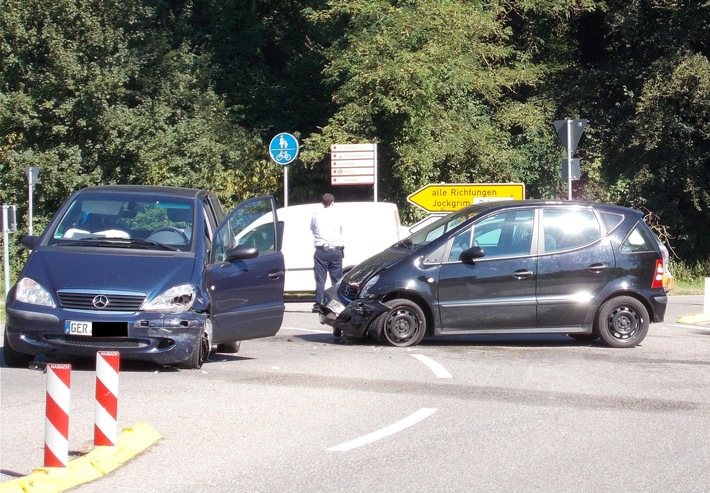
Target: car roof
<point x="508" y="204"/>
<point x="149" y="189"/>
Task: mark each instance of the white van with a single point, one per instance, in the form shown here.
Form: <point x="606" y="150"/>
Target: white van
<point x="368" y="228"/>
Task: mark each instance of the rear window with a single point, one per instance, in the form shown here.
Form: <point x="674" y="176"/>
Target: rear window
<point x="565" y="229"/>
<point x="640" y="239"/>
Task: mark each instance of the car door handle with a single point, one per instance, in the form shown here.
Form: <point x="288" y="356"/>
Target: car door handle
<point x="597" y="267"/>
<point x="522" y="274"/>
<point x="277" y="274"/>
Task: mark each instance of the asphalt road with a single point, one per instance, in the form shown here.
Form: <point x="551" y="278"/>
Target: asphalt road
<point x="302" y="412"/>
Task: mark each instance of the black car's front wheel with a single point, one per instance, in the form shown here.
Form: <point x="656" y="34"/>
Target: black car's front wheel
<point x="403" y="325"/>
<point x="622" y="322"/>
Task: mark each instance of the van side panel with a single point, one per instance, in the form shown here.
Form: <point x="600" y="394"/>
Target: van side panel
<point x="368" y="228"/>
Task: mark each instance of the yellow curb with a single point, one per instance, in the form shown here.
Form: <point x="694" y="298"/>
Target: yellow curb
<point x="695" y="319"/>
<point x="95" y="464"/>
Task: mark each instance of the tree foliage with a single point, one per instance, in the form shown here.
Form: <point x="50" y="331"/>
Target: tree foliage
<point x="188" y="92"/>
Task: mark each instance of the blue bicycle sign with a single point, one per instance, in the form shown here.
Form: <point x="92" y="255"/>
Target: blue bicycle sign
<point x="283" y="148"/>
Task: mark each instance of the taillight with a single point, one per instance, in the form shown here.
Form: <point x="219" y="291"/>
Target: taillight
<point x="658" y="275"/>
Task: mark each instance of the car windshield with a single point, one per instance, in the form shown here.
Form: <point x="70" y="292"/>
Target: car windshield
<point x="126" y="220"/>
<point x="437" y="228"/>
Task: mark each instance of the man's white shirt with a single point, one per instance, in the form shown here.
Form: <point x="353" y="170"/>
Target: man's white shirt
<point x="327" y="227"/>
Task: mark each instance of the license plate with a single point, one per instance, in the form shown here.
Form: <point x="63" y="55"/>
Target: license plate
<point x="77" y="328"/>
<point x="335" y="306"/>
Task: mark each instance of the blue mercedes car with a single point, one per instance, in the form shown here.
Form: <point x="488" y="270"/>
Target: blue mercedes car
<point x="157" y="273"/>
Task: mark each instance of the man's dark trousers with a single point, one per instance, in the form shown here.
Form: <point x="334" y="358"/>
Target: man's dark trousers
<point x="327" y="260"/>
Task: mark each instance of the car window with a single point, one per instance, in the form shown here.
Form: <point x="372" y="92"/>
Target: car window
<point x="251" y="224"/>
<point x="124" y="216"/>
<point x="611" y="220"/>
<point x="503" y="234"/>
<point x="638" y="240"/>
<point x="564" y="229"/>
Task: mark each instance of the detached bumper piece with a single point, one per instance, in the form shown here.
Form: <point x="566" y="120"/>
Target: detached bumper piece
<point x="355" y="319"/>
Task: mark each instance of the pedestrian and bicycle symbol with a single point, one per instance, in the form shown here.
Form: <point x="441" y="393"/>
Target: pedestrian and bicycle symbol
<point x="283" y="148"/>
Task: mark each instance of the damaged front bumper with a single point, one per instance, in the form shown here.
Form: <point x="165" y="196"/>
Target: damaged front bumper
<point x="354" y="319"/>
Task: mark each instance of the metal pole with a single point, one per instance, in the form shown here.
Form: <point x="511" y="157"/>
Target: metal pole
<point x="375" y="163"/>
<point x="6" y="249"/>
<point x="569" y="159"/>
<point x="286" y="186"/>
<point x="29" y="193"/>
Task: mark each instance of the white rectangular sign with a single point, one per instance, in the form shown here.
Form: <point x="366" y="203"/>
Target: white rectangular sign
<point x="353" y="171"/>
<point x="352" y="180"/>
<point x="368" y="155"/>
<point x="352" y="147"/>
<point x="352" y="163"/>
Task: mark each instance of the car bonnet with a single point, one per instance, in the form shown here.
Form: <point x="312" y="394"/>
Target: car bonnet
<point x="149" y="274"/>
<point x="367" y="268"/>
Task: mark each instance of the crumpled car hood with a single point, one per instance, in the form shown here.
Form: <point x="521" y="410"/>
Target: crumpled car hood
<point x="367" y="268"/>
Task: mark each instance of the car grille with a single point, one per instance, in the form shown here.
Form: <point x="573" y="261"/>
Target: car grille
<point x="347" y="292"/>
<point x="114" y="302"/>
<point x="98" y="343"/>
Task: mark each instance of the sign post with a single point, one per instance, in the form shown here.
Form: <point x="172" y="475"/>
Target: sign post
<point x="32" y="174"/>
<point x="354" y="164"/>
<point x="9" y="223"/>
<point x="450" y="197"/>
<point x="283" y="149"/>
<point x="570" y="131"/>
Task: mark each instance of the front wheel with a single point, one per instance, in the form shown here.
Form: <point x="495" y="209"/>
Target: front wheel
<point x="200" y="351"/>
<point x="229" y="347"/>
<point x="622" y="322"/>
<point x="402" y="326"/>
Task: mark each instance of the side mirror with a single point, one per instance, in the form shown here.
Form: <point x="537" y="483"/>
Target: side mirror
<point x="29" y="242"/>
<point x="471" y="254"/>
<point x="240" y="252"/>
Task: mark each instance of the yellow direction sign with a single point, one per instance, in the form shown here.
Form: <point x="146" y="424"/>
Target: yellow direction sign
<point x="449" y="197"/>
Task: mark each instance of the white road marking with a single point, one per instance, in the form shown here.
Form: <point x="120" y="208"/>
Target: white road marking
<point x="299" y="329"/>
<point x="438" y="370"/>
<point x="685" y="326"/>
<point x="385" y="432"/>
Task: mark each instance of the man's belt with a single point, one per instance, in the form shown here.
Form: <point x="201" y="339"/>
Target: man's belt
<point x="327" y="248"/>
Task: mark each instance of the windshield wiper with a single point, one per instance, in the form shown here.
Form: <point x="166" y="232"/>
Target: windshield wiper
<point x="102" y="241"/>
<point x="406" y="243"/>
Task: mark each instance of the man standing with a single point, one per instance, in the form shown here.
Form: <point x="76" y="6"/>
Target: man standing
<point x="327" y="229"/>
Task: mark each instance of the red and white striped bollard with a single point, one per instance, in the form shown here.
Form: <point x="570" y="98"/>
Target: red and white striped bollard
<point x="106" y="409"/>
<point x="56" y="422"/>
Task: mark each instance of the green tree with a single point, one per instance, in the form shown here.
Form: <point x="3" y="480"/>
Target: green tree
<point x="453" y="91"/>
<point x="643" y="78"/>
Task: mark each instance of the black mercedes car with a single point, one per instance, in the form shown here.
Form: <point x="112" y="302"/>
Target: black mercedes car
<point x="520" y="267"/>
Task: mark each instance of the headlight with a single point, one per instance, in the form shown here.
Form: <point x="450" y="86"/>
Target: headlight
<point x="177" y="299"/>
<point x="373" y="280"/>
<point x="30" y="291"/>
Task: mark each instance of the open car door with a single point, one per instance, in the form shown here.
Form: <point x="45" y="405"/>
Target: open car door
<point x="245" y="273"/>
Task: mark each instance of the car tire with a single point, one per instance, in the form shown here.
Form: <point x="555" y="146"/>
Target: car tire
<point x="229" y="347"/>
<point x="402" y="326"/>
<point x="199" y="354"/>
<point x="622" y="322"/>
<point x="14" y="359"/>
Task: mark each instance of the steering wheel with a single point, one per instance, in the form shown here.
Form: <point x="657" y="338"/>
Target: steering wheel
<point x="172" y="229"/>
